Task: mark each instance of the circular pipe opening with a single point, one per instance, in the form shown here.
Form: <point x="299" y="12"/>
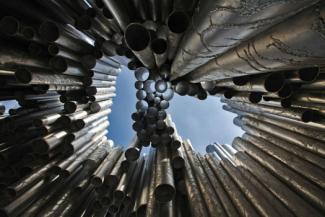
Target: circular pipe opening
<point x="274" y="82"/>
<point x="159" y="46"/>
<point x="23" y="76"/>
<point x="49" y="31"/>
<point x="308" y="74"/>
<point x="137" y="37"/>
<point x="178" y="22"/>
<point x="255" y="97"/>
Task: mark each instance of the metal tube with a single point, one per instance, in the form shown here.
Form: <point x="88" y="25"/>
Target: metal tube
<point x="66" y="36"/>
<point x="56" y="50"/>
<point x="112" y="178"/>
<point x="159" y="49"/>
<point x="164" y="187"/>
<point x="116" y="9"/>
<point x="95" y="158"/>
<point x="177" y="23"/>
<point x="141" y="8"/>
<point x="140" y="48"/>
<point x="120" y="191"/>
<point x="27" y="77"/>
<point x="134" y="149"/>
<point x="142" y="200"/>
<point x="67" y="67"/>
<point x="98" y="106"/>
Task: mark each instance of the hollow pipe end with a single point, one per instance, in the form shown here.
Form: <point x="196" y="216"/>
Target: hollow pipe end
<point x="164" y="193"/>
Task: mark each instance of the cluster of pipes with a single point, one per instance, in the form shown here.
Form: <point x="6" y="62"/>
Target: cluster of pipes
<point x="60" y="60"/>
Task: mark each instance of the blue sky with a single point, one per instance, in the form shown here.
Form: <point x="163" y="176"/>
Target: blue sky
<point x="203" y="122"/>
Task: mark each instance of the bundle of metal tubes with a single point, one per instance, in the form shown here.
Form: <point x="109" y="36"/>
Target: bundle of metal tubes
<point x="64" y="81"/>
<point x="264" y="175"/>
